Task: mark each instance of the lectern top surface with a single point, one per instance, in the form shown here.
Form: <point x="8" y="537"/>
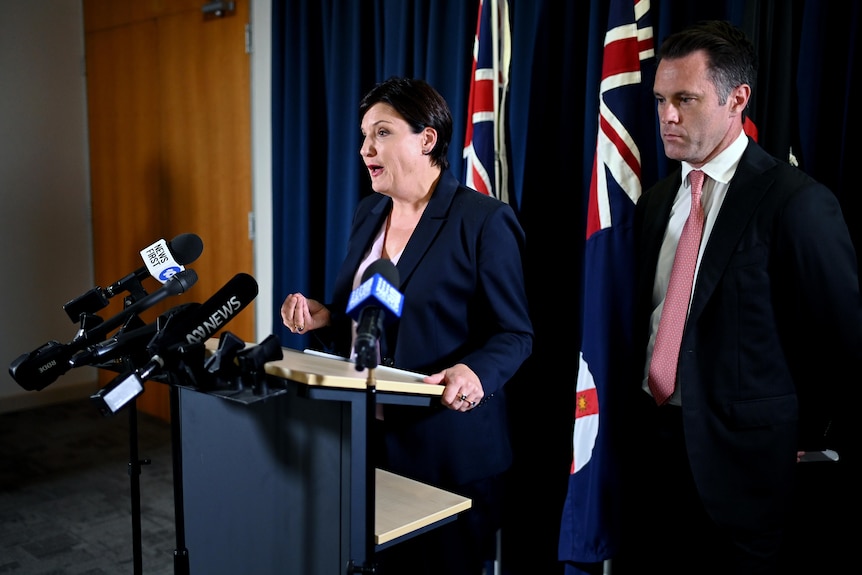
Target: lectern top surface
<point x="325" y="370"/>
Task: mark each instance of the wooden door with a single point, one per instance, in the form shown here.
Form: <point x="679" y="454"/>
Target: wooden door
<point x="168" y="96"/>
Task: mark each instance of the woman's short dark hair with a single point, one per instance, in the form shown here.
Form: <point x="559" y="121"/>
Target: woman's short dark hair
<point x="420" y="105"/>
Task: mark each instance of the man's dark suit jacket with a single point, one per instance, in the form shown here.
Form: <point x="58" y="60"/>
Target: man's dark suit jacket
<point x="772" y="346"/>
<point x="462" y="278"/>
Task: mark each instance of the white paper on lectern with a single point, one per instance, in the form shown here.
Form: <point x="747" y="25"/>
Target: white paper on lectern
<point x="379" y="369"/>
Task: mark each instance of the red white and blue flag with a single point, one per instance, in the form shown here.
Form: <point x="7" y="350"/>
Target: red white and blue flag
<point x="625" y="148"/>
<point x="485" y="143"/>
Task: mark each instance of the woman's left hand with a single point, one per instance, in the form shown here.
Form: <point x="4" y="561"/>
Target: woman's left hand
<point x="463" y="389"/>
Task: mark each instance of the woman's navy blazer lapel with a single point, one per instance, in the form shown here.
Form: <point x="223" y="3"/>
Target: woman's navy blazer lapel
<point x="369" y="220"/>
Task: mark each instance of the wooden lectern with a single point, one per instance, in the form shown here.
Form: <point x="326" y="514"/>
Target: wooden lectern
<point x="278" y="483"/>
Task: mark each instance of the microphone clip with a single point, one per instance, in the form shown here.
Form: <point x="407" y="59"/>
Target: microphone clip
<point x="252" y="362"/>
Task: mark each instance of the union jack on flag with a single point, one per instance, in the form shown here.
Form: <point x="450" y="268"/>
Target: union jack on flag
<point x="624" y="153"/>
<point x="485" y="144"/>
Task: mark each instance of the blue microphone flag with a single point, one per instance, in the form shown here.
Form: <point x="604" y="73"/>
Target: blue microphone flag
<point x="376" y="291"/>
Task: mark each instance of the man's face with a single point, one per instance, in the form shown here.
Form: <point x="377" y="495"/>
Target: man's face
<point x="695" y="127"/>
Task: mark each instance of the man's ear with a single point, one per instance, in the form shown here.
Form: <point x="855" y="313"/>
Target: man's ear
<point x="739" y="98"/>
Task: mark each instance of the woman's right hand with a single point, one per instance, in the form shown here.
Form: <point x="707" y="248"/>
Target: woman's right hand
<point x="300" y="314"/>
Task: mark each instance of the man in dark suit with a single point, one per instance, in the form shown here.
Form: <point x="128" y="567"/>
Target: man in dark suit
<point x="770" y="349"/>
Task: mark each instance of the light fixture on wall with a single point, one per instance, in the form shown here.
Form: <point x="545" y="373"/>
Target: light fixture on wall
<point x="218" y="9"/>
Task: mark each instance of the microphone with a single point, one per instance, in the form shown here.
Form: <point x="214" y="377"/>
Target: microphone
<point x="183" y="335"/>
<point x="205" y="320"/>
<point x="162" y="260"/>
<point x="376" y="301"/>
<point x="177" y="284"/>
<point x="41" y="367"/>
<point x="122" y="343"/>
<point x="126" y="342"/>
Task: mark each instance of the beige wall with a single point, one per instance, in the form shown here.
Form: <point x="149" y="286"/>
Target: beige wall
<point x="44" y="185"/>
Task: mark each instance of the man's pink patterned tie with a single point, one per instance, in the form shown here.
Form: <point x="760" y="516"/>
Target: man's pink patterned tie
<point x="662" y="369"/>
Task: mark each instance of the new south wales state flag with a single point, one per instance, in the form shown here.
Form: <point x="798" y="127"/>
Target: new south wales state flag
<point x="485" y="163"/>
<point x="625" y="146"/>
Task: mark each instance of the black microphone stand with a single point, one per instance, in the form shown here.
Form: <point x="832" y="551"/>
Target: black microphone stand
<point x="134" y="468"/>
<point x="183" y="366"/>
<point x="136" y="292"/>
<point x="370" y="473"/>
<point x="96" y="298"/>
<point x="175" y="375"/>
<point x="135" y="486"/>
<point x="366" y="358"/>
<point x="181" y="564"/>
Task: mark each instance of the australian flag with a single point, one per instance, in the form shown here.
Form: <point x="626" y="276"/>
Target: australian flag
<point x="625" y="147"/>
<point x="485" y="163"/>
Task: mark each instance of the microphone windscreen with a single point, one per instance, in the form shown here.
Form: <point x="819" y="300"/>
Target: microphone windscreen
<point x="186" y="248"/>
<point x="386" y="269"/>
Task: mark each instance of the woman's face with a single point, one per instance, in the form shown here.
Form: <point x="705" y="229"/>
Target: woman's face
<point x="392" y="152"/>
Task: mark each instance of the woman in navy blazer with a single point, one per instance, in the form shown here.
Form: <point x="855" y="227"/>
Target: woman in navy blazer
<point x="774" y="328"/>
<point x="465" y="321"/>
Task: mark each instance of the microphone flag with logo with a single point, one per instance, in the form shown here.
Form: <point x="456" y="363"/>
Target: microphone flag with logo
<point x="173" y="255"/>
<point x="375" y="302"/>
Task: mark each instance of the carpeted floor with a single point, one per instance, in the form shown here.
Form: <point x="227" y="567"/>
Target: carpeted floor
<point x="66" y="493"/>
<point x="66" y="498"/>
